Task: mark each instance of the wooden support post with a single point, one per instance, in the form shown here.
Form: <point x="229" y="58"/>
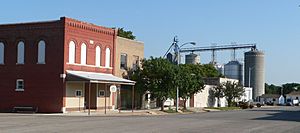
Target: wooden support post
<point x="132" y="100"/>
<point x="105" y="98"/>
<point x="89" y="112"/>
<point x="119" y="99"/>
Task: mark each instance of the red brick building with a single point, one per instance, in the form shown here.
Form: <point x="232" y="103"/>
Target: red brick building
<point x="57" y="66"/>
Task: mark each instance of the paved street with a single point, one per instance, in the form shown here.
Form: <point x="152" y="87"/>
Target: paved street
<point x="265" y="120"/>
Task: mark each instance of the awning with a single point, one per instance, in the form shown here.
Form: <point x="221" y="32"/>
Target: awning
<point x="96" y="77"/>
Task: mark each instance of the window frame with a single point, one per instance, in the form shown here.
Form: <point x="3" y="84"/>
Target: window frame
<point x="17" y="85"/>
<point x="125" y="63"/>
<point x="83" y="54"/>
<point x="72" y="58"/>
<point x="41" y="59"/>
<point x="99" y="93"/>
<point x="98" y="56"/>
<point x="81" y="94"/>
<point x="20" y="60"/>
<point x="107" y="57"/>
<point x="3" y="54"/>
<point x="136" y="62"/>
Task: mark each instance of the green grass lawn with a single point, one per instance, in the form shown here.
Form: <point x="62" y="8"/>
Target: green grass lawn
<point x="223" y="108"/>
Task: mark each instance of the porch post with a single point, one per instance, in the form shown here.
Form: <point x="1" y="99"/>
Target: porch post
<point x="119" y="99"/>
<point x="89" y="112"/>
<point x="105" y="98"/>
<point x="132" y="100"/>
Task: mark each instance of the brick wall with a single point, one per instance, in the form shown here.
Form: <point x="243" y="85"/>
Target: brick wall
<point x="43" y="85"/>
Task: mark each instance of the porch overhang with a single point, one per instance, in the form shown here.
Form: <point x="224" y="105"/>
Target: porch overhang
<point x="96" y="78"/>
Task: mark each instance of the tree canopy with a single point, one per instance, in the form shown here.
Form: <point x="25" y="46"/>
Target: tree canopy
<point x="161" y="77"/>
<point x="232" y="90"/>
<point x="125" y="34"/>
<point x="190" y="80"/>
<point x="157" y="76"/>
<point x="286" y="88"/>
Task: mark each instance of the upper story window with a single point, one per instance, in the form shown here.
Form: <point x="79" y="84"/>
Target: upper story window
<point x="21" y="51"/>
<point x="72" y="52"/>
<point x="83" y="54"/>
<point x="41" y="52"/>
<point x="107" y="57"/>
<point x="1" y="53"/>
<point x="20" y="85"/>
<point x="123" y="64"/>
<point x="98" y="56"/>
<point x="136" y="62"/>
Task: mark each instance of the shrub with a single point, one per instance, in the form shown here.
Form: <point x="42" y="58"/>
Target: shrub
<point x="251" y="106"/>
<point x="243" y="105"/>
<point x="258" y="105"/>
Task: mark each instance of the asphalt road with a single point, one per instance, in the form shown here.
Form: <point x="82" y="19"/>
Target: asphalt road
<point x="264" y="120"/>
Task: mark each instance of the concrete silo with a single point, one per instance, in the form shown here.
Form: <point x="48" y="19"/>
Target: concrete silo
<point x="234" y="70"/>
<point x="255" y="72"/>
<point x="192" y="59"/>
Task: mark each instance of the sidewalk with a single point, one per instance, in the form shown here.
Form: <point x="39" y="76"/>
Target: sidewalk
<point x="148" y="112"/>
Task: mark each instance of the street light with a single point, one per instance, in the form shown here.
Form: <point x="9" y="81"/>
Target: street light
<point x="177" y="52"/>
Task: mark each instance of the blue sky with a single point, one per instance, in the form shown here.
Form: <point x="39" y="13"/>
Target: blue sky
<point x="273" y="24"/>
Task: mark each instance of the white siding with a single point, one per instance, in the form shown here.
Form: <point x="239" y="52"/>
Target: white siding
<point x="41" y="52"/>
<point x="98" y="56"/>
<point x="20" y="59"/>
<point x="1" y="53"/>
<point x="83" y="54"/>
<point x="107" y="57"/>
<point x="72" y="52"/>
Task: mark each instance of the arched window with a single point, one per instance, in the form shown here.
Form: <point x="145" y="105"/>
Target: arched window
<point x="41" y="52"/>
<point x="83" y="54"/>
<point x="98" y="56"/>
<point x="72" y="52"/>
<point x="21" y="51"/>
<point x="107" y="57"/>
<point x="1" y="53"/>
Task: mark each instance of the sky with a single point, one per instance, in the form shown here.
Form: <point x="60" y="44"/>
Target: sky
<point x="274" y="25"/>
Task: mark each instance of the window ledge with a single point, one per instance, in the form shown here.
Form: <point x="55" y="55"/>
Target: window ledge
<point x="19" y="89"/>
<point x="42" y="63"/>
<point x="19" y="63"/>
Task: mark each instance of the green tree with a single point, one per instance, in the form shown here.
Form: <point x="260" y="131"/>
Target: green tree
<point x="218" y="92"/>
<point x="272" y="89"/>
<point x="232" y="90"/>
<point x="189" y="81"/>
<point x="157" y="76"/>
<point x="289" y="87"/>
<point x="208" y="70"/>
<point x="125" y="34"/>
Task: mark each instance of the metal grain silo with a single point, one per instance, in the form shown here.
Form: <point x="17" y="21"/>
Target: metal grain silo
<point x="255" y="72"/>
<point x="234" y="70"/>
<point x="192" y="59"/>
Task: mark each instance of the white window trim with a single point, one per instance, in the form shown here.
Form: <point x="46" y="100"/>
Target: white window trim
<point x="44" y="50"/>
<point x="76" y="64"/>
<point x="76" y="93"/>
<point x="107" y="58"/>
<point x="17" y="89"/>
<point x="2" y="63"/>
<point x="83" y="54"/>
<point x="73" y="53"/>
<point x="22" y="61"/>
<point x="99" y="90"/>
